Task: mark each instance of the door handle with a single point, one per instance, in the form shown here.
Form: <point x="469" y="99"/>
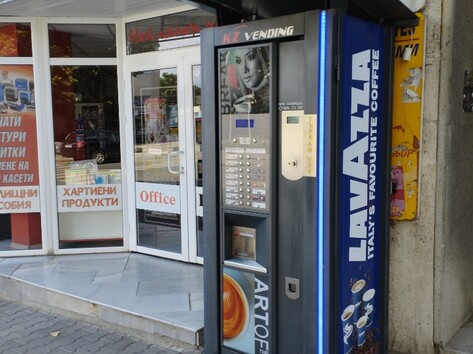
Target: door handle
<point x="171" y="154"/>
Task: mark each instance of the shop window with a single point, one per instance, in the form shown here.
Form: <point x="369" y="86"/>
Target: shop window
<point x="167" y="32"/>
<point x="15" y="40"/>
<point x="82" y="41"/>
<point x="20" y="218"/>
<point x="88" y="168"/>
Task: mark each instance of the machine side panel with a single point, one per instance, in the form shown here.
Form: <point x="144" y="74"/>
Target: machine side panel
<point x="361" y="214"/>
<point x="212" y="274"/>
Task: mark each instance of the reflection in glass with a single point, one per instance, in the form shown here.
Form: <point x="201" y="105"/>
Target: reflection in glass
<point x="88" y="168"/>
<point x="82" y="41"/>
<point x="15" y="39"/>
<point x="175" y="30"/>
<point x="157" y="159"/>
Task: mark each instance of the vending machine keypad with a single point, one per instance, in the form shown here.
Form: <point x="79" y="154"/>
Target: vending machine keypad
<point x="245" y="164"/>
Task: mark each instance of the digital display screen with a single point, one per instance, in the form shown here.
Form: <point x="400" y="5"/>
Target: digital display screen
<point x="292" y="119"/>
<point x="245" y="123"/>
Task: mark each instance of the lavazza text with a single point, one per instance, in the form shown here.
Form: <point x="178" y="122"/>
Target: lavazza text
<point x="359" y="157"/>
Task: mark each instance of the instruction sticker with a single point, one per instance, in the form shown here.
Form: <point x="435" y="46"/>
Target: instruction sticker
<point x="310" y="144"/>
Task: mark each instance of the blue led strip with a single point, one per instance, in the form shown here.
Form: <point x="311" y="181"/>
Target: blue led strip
<point x="320" y="189"/>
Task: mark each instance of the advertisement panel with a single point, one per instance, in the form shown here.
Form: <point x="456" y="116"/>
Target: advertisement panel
<point x="19" y="179"/>
<point x="245" y="311"/>
<point x="407" y="119"/>
<point x="360" y="224"/>
<point x="156" y="125"/>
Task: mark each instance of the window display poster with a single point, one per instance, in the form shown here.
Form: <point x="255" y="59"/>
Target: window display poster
<point x="19" y="180"/>
<point x="406" y="126"/>
<point x="157" y="130"/>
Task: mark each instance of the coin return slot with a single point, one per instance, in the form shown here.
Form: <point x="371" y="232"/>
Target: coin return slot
<point x="292" y="288"/>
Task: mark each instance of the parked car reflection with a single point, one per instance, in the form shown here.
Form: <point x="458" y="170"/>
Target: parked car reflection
<point x="101" y="145"/>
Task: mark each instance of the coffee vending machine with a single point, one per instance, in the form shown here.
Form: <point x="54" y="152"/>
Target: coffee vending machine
<point x="296" y="123"/>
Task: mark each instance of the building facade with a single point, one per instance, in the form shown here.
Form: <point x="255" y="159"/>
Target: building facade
<point x="430" y="289"/>
<point x="72" y="143"/>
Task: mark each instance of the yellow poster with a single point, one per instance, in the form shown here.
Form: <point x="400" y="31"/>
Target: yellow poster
<point x="407" y="117"/>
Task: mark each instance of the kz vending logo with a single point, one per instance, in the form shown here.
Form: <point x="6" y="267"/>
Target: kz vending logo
<point x="234" y="37"/>
<point x="360" y="156"/>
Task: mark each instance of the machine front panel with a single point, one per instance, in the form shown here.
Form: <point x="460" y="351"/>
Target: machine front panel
<point x="246" y="183"/>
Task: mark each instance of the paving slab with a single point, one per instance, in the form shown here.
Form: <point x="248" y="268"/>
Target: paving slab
<point x="148" y="297"/>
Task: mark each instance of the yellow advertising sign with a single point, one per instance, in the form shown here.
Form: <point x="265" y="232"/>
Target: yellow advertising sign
<point x="407" y="117"/>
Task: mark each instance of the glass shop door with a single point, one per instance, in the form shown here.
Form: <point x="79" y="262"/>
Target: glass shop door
<point x="165" y="105"/>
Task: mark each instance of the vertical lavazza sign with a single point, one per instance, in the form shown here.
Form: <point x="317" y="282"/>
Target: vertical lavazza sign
<point x="360" y="223"/>
<point x="363" y="142"/>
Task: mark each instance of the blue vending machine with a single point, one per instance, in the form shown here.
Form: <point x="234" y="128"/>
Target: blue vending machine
<point x="296" y="123"/>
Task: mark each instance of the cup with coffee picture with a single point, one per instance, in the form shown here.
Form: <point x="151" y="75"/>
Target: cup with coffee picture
<point x="357" y="291"/>
<point x="347" y="318"/>
<point x="361" y="330"/>
<point x="348" y="340"/>
<point x="368" y="305"/>
<point x="369" y="315"/>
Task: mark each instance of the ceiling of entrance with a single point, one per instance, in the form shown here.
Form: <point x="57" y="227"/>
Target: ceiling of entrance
<point x="388" y="10"/>
<point x="82" y="8"/>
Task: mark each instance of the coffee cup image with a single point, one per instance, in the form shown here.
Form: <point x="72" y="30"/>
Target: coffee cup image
<point x="347" y="318"/>
<point x="358" y="286"/>
<point x="368" y="305"/>
<point x="361" y="330"/>
<point x="234" y="308"/>
<point x="243" y="104"/>
<point x="369" y="315"/>
<point x="368" y="297"/>
<point x="357" y="291"/>
<point x="357" y="313"/>
<point x="348" y="341"/>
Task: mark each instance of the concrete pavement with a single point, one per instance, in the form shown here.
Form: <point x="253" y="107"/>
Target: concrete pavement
<point x="26" y="330"/>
